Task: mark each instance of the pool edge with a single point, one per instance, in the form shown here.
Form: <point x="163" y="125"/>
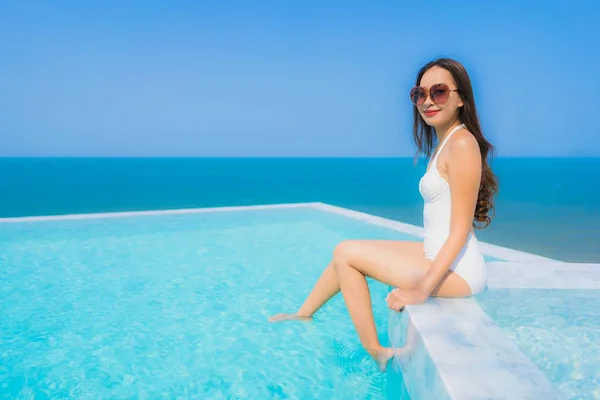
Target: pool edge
<point x="169" y="211"/>
<point x="488" y="249"/>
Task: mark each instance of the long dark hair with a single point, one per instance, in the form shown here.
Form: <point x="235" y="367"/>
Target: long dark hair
<point x="423" y="136"/>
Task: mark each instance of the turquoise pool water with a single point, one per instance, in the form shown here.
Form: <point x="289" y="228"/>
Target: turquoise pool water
<point x="557" y="330"/>
<point x="176" y="306"/>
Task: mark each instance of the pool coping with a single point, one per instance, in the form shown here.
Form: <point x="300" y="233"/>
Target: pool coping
<point x="176" y="211"/>
<point x="453" y="340"/>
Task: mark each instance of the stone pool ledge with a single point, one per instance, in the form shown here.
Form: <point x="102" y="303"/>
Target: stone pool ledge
<point x="451" y="349"/>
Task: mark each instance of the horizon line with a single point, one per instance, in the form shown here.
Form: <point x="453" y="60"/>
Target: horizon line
<point x="273" y="157"/>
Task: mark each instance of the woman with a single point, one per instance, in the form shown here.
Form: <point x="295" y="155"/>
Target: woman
<point x="457" y="188"/>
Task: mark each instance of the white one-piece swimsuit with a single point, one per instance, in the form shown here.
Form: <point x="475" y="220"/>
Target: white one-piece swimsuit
<point x="469" y="264"/>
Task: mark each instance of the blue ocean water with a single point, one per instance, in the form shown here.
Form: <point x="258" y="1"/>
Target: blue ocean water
<point x="545" y="206"/>
<point x="176" y="306"/>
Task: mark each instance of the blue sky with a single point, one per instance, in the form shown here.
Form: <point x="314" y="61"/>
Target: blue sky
<point x="288" y="78"/>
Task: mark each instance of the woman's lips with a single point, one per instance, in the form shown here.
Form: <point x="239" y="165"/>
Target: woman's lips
<point x="431" y="113"/>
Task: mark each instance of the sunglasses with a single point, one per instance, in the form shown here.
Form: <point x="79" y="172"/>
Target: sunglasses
<point x="439" y="93"/>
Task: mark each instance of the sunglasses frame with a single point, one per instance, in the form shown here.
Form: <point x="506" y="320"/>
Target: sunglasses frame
<point x="445" y="87"/>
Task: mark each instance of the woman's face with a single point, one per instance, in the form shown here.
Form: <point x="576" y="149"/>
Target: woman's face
<point x="441" y="102"/>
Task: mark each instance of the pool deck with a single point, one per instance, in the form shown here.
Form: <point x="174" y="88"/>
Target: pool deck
<point x="451" y="349"/>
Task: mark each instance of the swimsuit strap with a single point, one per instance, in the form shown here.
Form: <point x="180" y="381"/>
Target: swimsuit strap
<point x="441" y="146"/>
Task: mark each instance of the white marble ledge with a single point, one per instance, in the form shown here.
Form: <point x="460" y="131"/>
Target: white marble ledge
<point x="466" y="352"/>
<point x="543" y="275"/>
<point x="370" y="219"/>
<point x="178" y="211"/>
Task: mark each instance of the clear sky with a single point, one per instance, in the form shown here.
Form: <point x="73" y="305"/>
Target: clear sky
<point x="288" y="78"/>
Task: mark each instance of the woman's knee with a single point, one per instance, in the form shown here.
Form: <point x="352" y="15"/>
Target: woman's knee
<point x="342" y="253"/>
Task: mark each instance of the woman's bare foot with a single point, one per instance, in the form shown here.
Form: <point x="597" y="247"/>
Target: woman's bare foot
<point x="288" y="317"/>
<point x="381" y="356"/>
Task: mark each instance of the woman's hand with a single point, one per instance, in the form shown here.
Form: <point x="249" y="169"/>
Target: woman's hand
<point x="398" y="298"/>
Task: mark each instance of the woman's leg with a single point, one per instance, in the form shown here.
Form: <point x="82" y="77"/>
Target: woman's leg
<point x="326" y="287"/>
<point x="396" y="263"/>
<point x="400" y="264"/>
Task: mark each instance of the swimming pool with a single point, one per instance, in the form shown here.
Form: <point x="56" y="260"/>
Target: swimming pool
<point x="175" y="303"/>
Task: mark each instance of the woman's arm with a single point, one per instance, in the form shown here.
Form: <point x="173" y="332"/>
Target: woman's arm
<point x="464" y="177"/>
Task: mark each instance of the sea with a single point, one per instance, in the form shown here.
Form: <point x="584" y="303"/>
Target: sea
<point x="545" y="206"/>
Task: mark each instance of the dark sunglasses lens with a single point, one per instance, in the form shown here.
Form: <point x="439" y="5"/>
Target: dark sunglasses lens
<point x="439" y="93"/>
<point x="417" y="95"/>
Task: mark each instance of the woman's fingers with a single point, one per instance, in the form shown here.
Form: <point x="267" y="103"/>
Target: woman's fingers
<point x="395" y="300"/>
